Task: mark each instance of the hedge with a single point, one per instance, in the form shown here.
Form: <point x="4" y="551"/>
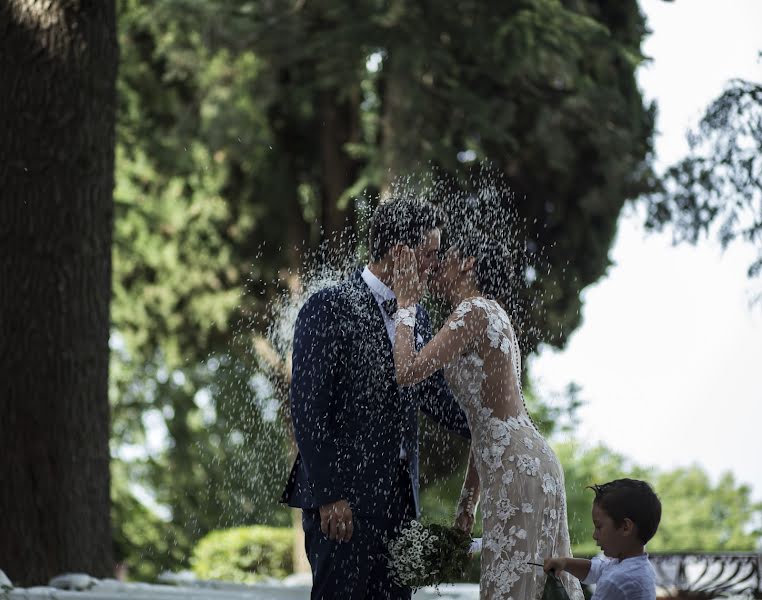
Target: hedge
<point x="244" y="554"/>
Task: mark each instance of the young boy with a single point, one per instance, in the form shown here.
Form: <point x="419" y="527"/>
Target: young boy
<point x="626" y="513"/>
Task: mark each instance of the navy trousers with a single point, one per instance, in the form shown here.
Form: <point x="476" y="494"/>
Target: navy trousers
<point x="359" y="569"/>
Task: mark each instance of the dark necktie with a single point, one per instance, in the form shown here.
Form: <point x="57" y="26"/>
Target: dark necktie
<point x="390" y="307"/>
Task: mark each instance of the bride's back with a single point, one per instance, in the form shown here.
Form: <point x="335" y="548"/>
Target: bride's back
<point x="495" y="359"/>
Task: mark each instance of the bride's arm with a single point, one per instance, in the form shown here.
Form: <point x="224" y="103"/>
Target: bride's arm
<point x="469" y="496"/>
<point x="458" y="333"/>
<point x="461" y="329"/>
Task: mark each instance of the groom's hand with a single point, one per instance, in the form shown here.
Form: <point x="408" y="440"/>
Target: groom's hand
<point x="336" y="521"/>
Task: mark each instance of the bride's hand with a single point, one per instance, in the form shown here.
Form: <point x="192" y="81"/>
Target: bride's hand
<point x="407" y="285"/>
<point x="465" y="522"/>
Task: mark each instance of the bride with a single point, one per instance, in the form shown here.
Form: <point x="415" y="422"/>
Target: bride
<point x="511" y="467"/>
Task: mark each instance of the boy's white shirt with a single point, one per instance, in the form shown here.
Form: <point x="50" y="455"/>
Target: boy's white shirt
<point x="629" y="579"/>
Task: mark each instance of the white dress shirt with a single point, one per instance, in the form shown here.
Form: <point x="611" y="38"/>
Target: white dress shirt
<point x="382" y="292"/>
<point x="629" y="579"/>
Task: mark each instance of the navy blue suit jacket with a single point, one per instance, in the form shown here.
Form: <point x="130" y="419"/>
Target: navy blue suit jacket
<point x="350" y="417"/>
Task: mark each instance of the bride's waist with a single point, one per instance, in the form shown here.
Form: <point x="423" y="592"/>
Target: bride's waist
<point x="485" y="416"/>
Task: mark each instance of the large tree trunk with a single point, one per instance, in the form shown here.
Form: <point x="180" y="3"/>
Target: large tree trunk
<point x="58" y="62"/>
<point x="401" y="121"/>
<point x="338" y="126"/>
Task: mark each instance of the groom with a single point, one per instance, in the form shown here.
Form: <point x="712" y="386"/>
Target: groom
<point x="356" y="475"/>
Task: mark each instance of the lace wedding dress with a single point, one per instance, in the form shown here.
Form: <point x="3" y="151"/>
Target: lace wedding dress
<point x="522" y="483"/>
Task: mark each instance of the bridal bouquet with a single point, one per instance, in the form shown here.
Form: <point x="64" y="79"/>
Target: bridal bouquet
<point x="429" y="555"/>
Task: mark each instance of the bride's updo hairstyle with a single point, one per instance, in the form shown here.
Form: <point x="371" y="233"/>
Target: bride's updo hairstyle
<point x="492" y="269"/>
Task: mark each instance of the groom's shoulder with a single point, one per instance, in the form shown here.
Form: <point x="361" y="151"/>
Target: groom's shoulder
<point x="338" y="296"/>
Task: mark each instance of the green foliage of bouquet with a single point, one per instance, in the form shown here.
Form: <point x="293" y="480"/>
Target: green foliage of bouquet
<point x="431" y="554"/>
<point x="554" y="589"/>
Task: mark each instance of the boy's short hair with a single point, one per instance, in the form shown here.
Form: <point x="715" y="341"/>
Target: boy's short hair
<point x="630" y="499"/>
<point x="401" y="221"/>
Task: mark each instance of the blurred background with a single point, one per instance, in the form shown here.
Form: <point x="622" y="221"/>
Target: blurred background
<point x="253" y="139"/>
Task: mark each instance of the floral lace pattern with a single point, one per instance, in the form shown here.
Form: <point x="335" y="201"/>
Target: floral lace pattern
<point x="405" y="316"/>
<point x="522" y="484"/>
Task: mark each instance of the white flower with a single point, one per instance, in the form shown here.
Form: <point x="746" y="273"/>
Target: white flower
<point x="508" y="546"/>
<point x="528" y="464"/>
<point x="495" y="540"/>
<point x="460" y="312"/>
<point x="508" y="476"/>
<point x="526" y="507"/>
<point x="513" y="423"/>
<point x="519" y="562"/>
<point x="405" y="316"/>
<point x="528" y="443"/>
<point x="547" y="529"/>
<point x="494" y="337"/>
<point x="549" y="484"/>
<point x="492" y="456"/>
<point x="500" y="431"/>
<point x="503" y="576"/>
<point x="505" y="509"/>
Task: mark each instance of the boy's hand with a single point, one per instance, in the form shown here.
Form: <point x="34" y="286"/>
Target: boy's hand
<point x="555" y="564"/>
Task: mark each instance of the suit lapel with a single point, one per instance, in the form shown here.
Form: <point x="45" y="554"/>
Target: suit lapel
<point x="374" y="326"/>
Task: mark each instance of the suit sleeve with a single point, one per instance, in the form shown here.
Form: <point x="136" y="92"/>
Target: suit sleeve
<point x="436" y="399"/>
<point x="316" y="362"/>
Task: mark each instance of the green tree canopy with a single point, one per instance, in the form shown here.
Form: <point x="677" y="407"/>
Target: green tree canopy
<point x="251" y="132"/>
<point x="697" y="514"/>
<point x="718" y="186"/>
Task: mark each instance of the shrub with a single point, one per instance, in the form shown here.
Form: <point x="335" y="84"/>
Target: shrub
<point x="244" y="554"/>
<point x="142" y="541"/>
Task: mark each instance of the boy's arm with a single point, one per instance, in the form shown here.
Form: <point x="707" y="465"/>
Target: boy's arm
<point x="579" y="567"/>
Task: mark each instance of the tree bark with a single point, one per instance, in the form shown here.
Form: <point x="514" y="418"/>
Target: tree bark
<point x="58" y="63"/>
<point x="337" y="127"/>
<point x="401" y="125"/>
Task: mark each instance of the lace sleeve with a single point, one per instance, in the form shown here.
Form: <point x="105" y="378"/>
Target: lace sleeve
<point x="462" y="328"/>
<point x="457" y="319"/>
<point x="405" y="316"/>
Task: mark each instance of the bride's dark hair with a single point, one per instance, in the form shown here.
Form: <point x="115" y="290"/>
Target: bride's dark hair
<point x="493" y="268"/>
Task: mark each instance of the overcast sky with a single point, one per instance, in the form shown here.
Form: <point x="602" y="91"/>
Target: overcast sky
<point x="669" y="355"/>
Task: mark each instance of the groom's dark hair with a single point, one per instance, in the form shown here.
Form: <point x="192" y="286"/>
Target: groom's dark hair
<point x="630" y="499"/>
<point x="401" y="221"/>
